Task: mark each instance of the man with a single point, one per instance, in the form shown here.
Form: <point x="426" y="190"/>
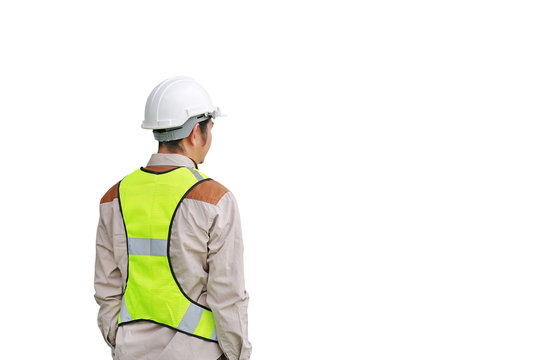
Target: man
<point x="169" y="275"/>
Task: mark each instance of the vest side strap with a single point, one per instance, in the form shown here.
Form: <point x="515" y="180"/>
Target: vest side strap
<point x="124" y="313"/>
<point x="191" y="318"/>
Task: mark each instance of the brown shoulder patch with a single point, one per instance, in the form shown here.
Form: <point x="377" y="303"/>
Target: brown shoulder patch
<point x="111" y="194"/>
<point x="209" y="191"/>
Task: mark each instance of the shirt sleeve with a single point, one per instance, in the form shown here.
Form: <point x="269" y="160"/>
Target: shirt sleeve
<point x="107" y="280"/>
<point x="227" y="296"/>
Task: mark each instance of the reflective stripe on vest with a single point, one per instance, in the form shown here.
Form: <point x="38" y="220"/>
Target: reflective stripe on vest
<point x="148" y="202"/>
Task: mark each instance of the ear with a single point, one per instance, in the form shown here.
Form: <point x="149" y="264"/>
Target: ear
<point x="192" y="138"/>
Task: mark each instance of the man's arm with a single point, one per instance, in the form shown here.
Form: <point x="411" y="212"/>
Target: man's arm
<point x="107" y="279"/>
<point x="227" y="296"/>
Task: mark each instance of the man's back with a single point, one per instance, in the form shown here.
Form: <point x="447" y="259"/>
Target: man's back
<point x="205" y="253"/>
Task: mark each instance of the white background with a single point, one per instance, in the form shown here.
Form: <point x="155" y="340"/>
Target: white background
<point x="384" y="155"/>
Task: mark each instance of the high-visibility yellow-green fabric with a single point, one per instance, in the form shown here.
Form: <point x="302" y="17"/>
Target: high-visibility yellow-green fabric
<point x="148" y="203"/>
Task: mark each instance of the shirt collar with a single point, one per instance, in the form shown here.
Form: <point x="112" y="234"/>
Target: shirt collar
<point x="161" y="159"/>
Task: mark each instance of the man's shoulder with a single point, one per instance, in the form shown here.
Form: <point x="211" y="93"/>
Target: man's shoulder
<point x="209" y="191"/>
<point x="111" y="194"/>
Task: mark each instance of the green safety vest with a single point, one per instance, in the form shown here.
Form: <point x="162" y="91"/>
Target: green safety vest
<point x="148" y="203"/>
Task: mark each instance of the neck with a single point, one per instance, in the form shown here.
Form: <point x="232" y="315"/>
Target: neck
<point x="164" y="150"/>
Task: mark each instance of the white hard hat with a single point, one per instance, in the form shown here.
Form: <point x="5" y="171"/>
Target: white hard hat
<point x="175" y="106"/>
